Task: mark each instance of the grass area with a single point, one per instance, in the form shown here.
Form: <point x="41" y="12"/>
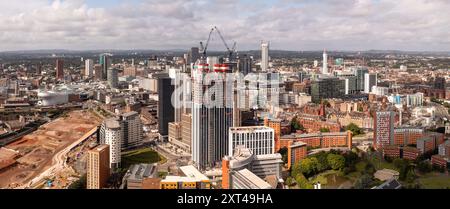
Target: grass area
<point x="330" y="179"/>
<point x="434" y="181"/>
<point x="381" y="164"/>
<point x="146" y="155"/>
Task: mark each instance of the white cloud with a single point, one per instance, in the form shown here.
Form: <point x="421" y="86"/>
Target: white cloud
<point x="288" y="24"/>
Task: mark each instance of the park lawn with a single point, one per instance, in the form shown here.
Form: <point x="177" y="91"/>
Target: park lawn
<point x="325" y="176"/>
<point x="146" y="155"/>
<point x="434" y="181"/>
<point x="381" y="164"/>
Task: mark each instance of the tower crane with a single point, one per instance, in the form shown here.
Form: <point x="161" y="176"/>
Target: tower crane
<point x="230" y="51"/>
<point x="204" y="48"/>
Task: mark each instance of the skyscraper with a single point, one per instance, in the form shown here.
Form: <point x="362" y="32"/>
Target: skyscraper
<point x="193" y="55"/>
<point x="264" y="56"/>
<point x="244" y="64"/>
<point x="89" y="68"/>
<point x="165" y="106"/>
<point x="105" y="61"/>
<point x="210" y="119"/>
<point x="370" y="80"/>
<point x="383" y="129"/>
<point x="98" y="72"/>
<point x="132" y="129"/>
<point x="113" y="79"/>
<point x="59" y="69"/>
<point x="112" y="135"/>
<point x="325" y="62"/>
<point x="360" y="77"/>
<point x="97" y="168"/>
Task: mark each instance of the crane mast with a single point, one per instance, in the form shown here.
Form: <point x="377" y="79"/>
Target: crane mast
<point x="204" y="47"/>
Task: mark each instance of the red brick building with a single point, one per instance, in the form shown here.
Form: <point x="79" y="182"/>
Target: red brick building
<point x="410" y="153"/>
<point x="439" y="160"/>
<point x="391" y="151"/>
<point x="407" y="136"/>
<point x="314" y="124"/>
<point x="319" y="140"/>
<point x="296" y="152"/>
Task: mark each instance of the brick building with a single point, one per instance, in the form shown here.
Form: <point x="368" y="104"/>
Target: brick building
<point x="296" y="152"/>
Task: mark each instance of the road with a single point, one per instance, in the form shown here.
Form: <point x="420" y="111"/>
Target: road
<point x="58" y="162"/>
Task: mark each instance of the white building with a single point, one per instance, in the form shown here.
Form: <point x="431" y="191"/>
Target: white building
<point x="325" y="62"/>
<point x="414" y="100"/>
<point x="380" y="91"/>
<point x="370" y="80"/>
<point x="89" y="68"/>
<point x="112" y="135"/>
<point x="264" y="56"/>
<point x="302" y="99"/>
<point x="259" y="139"/>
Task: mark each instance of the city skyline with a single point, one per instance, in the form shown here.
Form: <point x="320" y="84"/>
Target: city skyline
<point x="350" y="25"/>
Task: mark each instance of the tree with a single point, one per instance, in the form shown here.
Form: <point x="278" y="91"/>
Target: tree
<point x="404" y="168"/>
<point x="324" y="130"/>
<point x="355" y="129"/>
<point x="302" y="182"/>
<point x="424" y="167"/>
<point x="295" y="125"/>
<point x="80" y="183"/>
<point x="322" y="160"/>
<point x="283" y="151"/>
<point x="308" y="166"/>
<point x="289" y="181"/>
<point x="336" y="162"/>
<point x="363" y="182"/>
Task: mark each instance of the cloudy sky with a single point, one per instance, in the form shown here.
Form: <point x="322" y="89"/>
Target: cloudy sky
<point x="180" y="24"/>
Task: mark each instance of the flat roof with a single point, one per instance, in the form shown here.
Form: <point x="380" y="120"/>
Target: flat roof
<point x="254" y="179"/>
<point x="298" y="144"/>
<point x="251" y="128"/>
<point x="192" y="172"/>
<point x="112" y="123"/>
<point x="179" y="179"/>
<point x="128" y="114"/>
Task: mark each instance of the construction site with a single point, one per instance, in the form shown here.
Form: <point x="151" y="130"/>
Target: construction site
<point x="30" y="160"/>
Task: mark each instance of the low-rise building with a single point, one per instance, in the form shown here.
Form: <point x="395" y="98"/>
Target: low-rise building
<point x="320" y="140"/>
<point x="137" y="173"/>
<point x="192" y="179"/>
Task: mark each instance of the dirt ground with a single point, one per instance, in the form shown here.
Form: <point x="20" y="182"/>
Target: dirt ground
<point x="38" y="148"/>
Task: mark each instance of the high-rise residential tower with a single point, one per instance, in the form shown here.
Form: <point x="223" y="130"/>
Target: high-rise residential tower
<point x="59" y="69"/>
<point x="212" y="115"/>
<point x="264" y="56"/>
<point x="383" y="129"/>
<point x="97" y="168"/>
<point x="111" y="134"/>
<point x="113" y="79"/>
<point x="89" y="68"/>
<point x="132" y="129"/>
<point x="325" y="62"/>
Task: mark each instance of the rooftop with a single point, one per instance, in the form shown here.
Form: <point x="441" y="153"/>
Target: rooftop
<point x="192" y="172"/>
<point x="254" y="181"/>
<point x="112" y="123"/>
<point x="141" y="171"/>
